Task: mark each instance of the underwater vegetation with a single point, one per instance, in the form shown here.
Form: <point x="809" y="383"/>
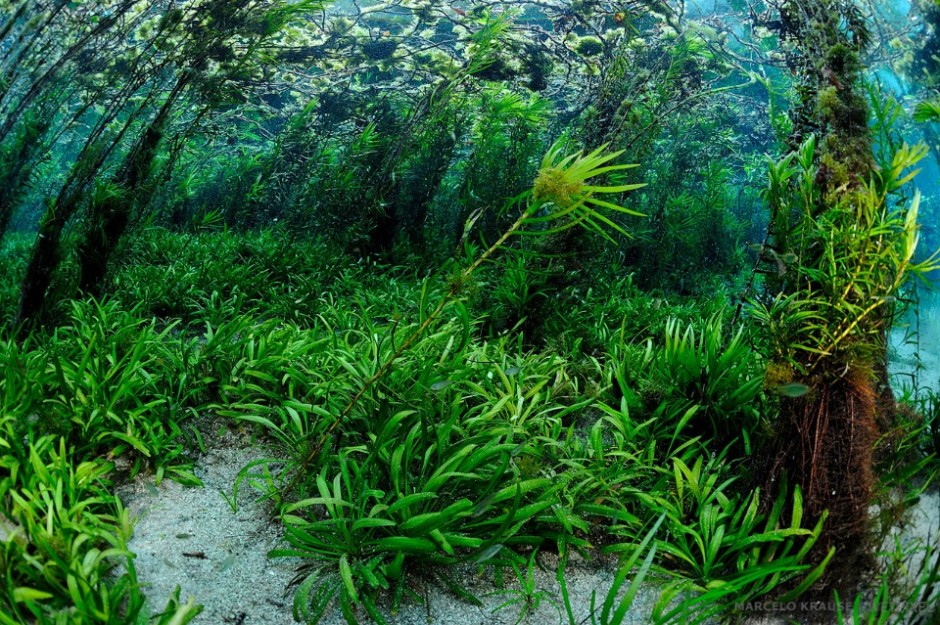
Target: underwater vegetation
<point x="489" y="280"/>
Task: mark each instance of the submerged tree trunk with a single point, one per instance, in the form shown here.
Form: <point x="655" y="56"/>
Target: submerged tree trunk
<point x="14" y="170"/>
<point x="46" y="253"/>
<point x="825" y="445"/>
<point x="45" y="256"/>
<point x="109" y="218"/>
<point x="826" y="437"/>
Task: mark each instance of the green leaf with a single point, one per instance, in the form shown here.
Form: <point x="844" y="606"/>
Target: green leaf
<point x="793" y="389"/>
<point x="24" y="593"/>
<point x="362" y="524"/>
<point x="345" y="572"/>
<point x="406" y="545"/>
<point x="135" y="442"/>
<point x="410" y="500"/>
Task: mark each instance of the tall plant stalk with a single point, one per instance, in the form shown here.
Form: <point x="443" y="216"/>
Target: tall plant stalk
<point x="560" y="199"/>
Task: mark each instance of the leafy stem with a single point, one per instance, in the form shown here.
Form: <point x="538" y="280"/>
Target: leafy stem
<point x="561" y="198"/>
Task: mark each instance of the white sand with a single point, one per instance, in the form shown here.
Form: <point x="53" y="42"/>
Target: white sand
<point x="237" y="583"/>
<point x="191" y="537"/>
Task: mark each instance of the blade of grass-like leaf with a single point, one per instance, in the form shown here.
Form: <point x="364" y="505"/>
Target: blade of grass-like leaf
<point x="609" y="168"/>
<point x="620" y="188"/>
<point x="345" y="572"/>
<point x="346" y="607"/>
<point x="612" y="206"/>
<point x="405" y="544"/>
<point x="624" y="571"/>
<point x="811" y="578"/>
<point x="409" y="500"/>
<point x="627" y="602"/>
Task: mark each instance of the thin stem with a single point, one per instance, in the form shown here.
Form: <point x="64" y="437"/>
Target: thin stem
<point x="408" y="342"/>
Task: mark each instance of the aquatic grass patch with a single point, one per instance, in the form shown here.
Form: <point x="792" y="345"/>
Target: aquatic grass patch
<point x="291" y="379"/>
<point x="443" y="461"/>
<point x="116" y="385"/>
<point x="483" y="454"/>
<point x="476" y="451"/>
<point x="428" y="492"/>
<point x="110" y="383"/>
<point x="24" y="365"/>
<point x="724" y="550"/>
<point x="62" y="533"/>
<point x="717" y="543"/>
<point x="186" y="275"/>
<point x="703" y="370"/>
<point x="464" y="505"/>
<point x="271" y="375"/>
<point x="600" y="314"/>
<point x="712" y="370"/>
<point x="431" y="484"/>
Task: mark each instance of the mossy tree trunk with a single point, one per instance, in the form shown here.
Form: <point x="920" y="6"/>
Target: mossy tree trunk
<point x="825" y="439"/>
<point x="47" y="253"/>
<point x="16" y="164"/>
<point x="108" y="219"/>
<point x="101" y="142"/>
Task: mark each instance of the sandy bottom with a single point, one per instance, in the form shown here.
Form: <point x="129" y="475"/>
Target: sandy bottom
<point x="192" y="538"/>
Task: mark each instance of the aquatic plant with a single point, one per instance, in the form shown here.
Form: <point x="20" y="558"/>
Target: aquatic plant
<point x="563" y="187"/>
<point x="575" y="206"/>
<point x="850" y="261"/>
<point x="553" y="385"/>
<point x="62" y="532"/>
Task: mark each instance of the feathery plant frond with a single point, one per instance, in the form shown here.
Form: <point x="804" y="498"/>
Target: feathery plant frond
<point x="563" y="195"/>
<point x="927" y="111"/>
